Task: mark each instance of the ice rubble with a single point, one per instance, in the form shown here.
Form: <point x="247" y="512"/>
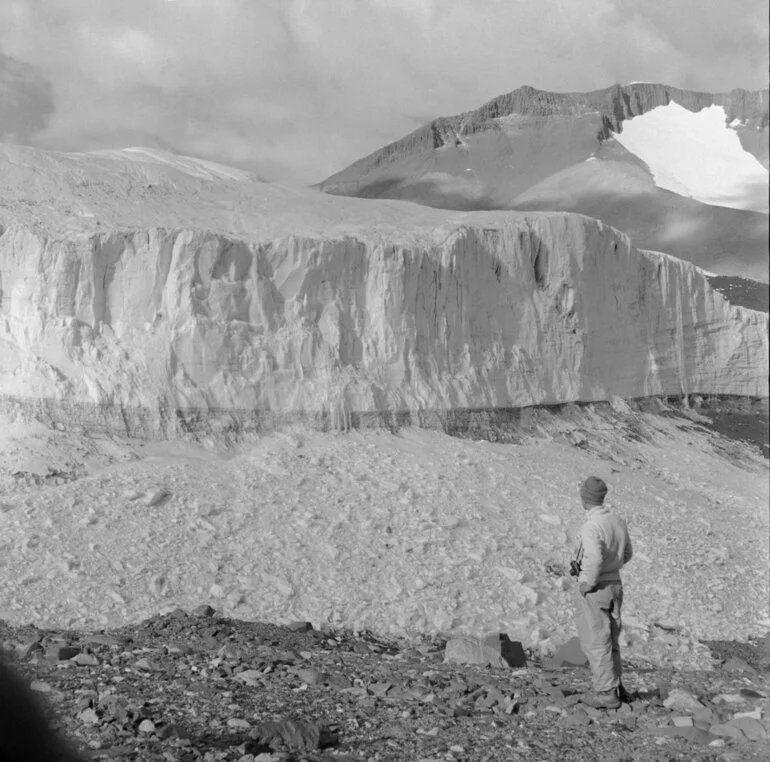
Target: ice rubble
<point x="697" y="155"/>
<point x="178" y="299"/>
<point x="411" y="534"/>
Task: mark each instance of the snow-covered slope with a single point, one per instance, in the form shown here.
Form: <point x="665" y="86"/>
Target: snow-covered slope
<point x="151" y="297"/>
<point x="697" y="155"/>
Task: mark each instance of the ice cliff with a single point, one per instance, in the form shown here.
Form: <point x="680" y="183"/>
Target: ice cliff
<point x="140" y="296"/>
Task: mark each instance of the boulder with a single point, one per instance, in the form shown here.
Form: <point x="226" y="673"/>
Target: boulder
<point x="568" y="655"/>
<point x="494" y="650"/>
<point x="62" y="653"/>
<point x="299" y="626"/>
<point x="727" y="730"/>
<point x="735" y="664"/>
<point x="679" y="700"/>
<point x="752" y="728"/>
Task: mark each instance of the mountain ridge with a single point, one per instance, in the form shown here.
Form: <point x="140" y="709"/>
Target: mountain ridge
<point x="615" y="103"/>
<point x="531" y="150"/>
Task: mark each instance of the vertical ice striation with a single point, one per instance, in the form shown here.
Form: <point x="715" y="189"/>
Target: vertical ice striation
<point x="161" y="331"/>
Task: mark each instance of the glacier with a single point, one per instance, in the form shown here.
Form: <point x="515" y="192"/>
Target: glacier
<point x="153" y="295"/>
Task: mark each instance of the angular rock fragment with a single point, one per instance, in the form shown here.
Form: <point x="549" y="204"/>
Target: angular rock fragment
<point x="89" y="717"/>
<point x="493" y="650"/>
<point x="296" y="735"/>
<point x="568" y="655"/>
<point x="102" y="640"/>
<point x="736" y="664"/>
<point x="679" y="700"/>
<point x="61" y="653"/>
<point x="692" y="734"/>
<point x="752" y="728"/>
<point x="171" y="730"/>
<point x="299" y="626"/>
<point x="156" y="497"/>
<point x="252" y="677"/>
<point x="85" y="660"/>
<point x="727" y="730"/>
<point x="310" y="676"/>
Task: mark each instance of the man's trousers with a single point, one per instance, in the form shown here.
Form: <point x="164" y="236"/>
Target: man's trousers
<point x="598" y="624"/>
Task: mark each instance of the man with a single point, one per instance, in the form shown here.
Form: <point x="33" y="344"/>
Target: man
<point x="25" y="733"/>
<point x="605" y="548"/>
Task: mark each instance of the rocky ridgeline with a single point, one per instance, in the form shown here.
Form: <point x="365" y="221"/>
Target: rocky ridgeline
<point x="610" y="106"/>
<point x="199" y="687"/>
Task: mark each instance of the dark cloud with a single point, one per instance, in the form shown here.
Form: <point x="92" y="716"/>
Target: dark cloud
<point x="26" y="101"/>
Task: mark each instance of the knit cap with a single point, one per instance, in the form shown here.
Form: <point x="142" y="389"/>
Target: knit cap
<point x="593" y="490"/>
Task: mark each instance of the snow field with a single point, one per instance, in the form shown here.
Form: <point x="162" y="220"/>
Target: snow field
<point x="697" y="155"/>
<point x="407" y="534"/>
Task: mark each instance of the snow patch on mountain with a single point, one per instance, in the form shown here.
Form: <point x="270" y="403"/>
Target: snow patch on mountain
<point x="698" y="156"/>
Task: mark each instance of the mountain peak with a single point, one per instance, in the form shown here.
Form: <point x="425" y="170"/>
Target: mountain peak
<point x="532" y="149"/>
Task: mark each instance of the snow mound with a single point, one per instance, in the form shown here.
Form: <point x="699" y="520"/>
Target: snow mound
<point x="207" y="170"/>
<point x="698" y="156"/>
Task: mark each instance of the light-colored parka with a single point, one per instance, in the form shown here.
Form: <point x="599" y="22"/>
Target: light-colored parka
<point x="605" y="545"/>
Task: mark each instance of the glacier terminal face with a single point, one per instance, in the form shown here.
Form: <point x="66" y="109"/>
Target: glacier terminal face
<point x="369" y="312"/>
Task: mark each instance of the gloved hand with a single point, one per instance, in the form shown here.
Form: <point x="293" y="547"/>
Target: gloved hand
<point x="584" y="588"/>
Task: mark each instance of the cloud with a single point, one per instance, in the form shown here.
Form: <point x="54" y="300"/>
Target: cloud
<point x="297" y="89"/>
<point x="26" y="101"/>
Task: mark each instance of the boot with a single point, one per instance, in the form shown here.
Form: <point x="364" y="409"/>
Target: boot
<point x="602" y="700"/>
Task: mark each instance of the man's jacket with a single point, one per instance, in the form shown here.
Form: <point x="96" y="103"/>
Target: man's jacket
<point x="605" y="545"/>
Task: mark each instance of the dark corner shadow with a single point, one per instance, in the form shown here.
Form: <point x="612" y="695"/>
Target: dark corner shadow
<point x="26" y="101"/>
<point x="26" y="734"/>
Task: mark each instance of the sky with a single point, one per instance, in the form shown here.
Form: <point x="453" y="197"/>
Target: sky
<point x="295" y="90"/>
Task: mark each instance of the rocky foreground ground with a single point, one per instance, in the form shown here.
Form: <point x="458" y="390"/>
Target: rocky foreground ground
<point x="194" y="686"/>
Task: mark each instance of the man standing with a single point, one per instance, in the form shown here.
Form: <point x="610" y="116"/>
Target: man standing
<point x="605" y="548"/>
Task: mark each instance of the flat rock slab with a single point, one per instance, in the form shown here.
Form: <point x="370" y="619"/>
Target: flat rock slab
<point x="493" y="651"/>
<point x="569" y="654"/>
<point x="753" y="729"/>
<point x="736" y="664"/>
<point x="692" y="734"/>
